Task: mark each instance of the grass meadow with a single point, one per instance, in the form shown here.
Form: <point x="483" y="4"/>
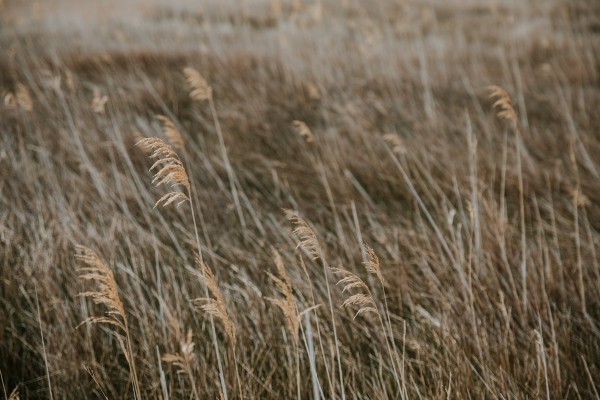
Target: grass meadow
<point x="300" y="199"/>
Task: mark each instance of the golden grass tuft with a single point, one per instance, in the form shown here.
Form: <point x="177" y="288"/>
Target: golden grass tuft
<point x="200" y="89"/>
<point x="99" y="102"/>
<point x="107" y="293"/>
<point x="307" y="236"/>
<point x="363" y="301"/>
<point x="216" y="306"/>
<point x="171" y="170"/>
<point x="303" y="130"/>
<point x="504" y="103"/>
<point x="288" y="303"/>
<point x="171" y="132"/>
<point x="372" y="264"/>
<point x="21" y="98"/>
<point x="396" y="143"/>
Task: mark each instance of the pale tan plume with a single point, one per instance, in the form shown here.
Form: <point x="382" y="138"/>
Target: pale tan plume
<point x="303" y="130"/>
<point x="308" y="238"/>
<point x="216" y="306"/>
<point x="504" y="103"/>
<point x="372" y="264"/>
<point x="200" y="89"/>
<point x="107" y="292"/>
<point x="99" y="101"/>
<point x="171" y="170"/>
<point x="171" y="132"/>
<point x="362" y="300"/>
<point x="288" y="303"/>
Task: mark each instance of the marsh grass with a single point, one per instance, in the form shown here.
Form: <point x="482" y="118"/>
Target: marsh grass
<point x="311" y="128"/>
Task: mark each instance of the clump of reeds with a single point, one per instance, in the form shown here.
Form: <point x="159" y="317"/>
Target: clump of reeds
<point x="172" y="171"/>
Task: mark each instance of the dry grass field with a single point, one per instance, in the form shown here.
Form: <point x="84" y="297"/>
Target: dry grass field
<point x="300" y="199"/>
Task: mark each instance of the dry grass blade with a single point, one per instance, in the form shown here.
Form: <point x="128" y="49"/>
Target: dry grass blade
<point x="200" y="89"/>
<point x="287" y="304"/>
<point x="171" y="132"/>
<point x="504" y="103"/>
<point x="216" y="306"/>
<point x="303" y="130"/>
<point x="171" y="170"/>
<point x="307" y="236"/>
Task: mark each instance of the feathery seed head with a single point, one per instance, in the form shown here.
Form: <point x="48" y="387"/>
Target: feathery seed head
<point x="372" y="265"/>
<point x="200" y="89"/>
<point x="288" y="303"/>
<point x="107" y="293"/>
<point x="216" y="306"/>
<point x="171" y="170"/>
<point x="171" y="132"/>
<point x="303" y="130"/>
<point x="308" y="238"/>
<point x="504" y="103"/>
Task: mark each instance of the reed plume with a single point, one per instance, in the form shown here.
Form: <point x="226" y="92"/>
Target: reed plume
<point x="303" y="130"/>
<point x="288" y="303"/>
<point x="215" y="306"/>
<point x="107" y="294"/>
<point x="363" y="301"/>
<point x="308" y="238"/>
<point x="503" y="103"/>
<point x="99" y="102"/>
<point x="171" y="170"/>
<point x="171" y="132"/>
<point x="200" y="89"/>
<point x="183" y="359"/>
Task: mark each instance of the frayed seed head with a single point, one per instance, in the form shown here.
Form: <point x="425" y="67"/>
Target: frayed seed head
<point x="171" y="170"/>
<point x="200" y="89"/>
<point x="308" y="238"/>
<point x="372" y="265"/>
<point x="288" y="303"/>
<point x="107" y="293"/>
<point x="171" y="132"/>
<point x="504" y="103"/>
<point x="216" y="306"/>
<point x="303" y="130"/>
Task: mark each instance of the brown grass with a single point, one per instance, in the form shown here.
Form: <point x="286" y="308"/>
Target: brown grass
<point x="373" y="123"/>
